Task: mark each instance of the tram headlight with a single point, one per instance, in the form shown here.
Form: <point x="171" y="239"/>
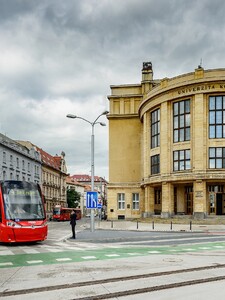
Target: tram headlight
<point x="13" y="224"/>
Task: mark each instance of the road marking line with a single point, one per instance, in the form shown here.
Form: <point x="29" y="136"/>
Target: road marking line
<point x="112" y="255"/>
<point x="189" y="249"/>
<point x="88" y="257"/>
<point x="63" y="259"/>
<point x="204" y="248"/>
<point x="34" y="261"/>
<point x="154" y="252"/>
<point x="218" y="246"/>
<point x="6" y="264"/>
<point x="135" y="253"/>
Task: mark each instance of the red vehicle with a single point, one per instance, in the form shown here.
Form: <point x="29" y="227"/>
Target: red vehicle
<point x="63" y="213"/>
<point x="22" y="212"/>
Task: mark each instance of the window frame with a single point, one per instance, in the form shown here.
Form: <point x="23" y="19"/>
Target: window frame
<point x="182" y="121"/>
<point x="155" y="128"/>
<point x="219" y="160"/>
<point x="155" y="166"/>
<point x="121" y="201"/>
<point x="179" y="157"/>
<point x="216" y="117"/>
<point x="135" y="201"/>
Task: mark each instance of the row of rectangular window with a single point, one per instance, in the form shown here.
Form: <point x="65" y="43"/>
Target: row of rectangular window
<point x="121" y="201"/>
<point x="182" y="121"/>
<point x="182" y="160"/>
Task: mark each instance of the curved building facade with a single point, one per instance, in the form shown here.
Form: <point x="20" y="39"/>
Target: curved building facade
<point x="167" y="146"/>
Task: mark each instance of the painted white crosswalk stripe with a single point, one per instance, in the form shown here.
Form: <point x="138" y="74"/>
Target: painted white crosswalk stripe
<point x="64" y="259"/>
<point x="34" y="261"/>
<point x="6" y="264"/>
<point x="112" y="255"/>
<point x="88" y="257"/>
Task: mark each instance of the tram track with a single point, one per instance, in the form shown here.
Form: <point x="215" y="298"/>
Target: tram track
<point x="89" y="285"/>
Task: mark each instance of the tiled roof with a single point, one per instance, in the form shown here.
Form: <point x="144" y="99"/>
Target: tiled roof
<point x="87" y="178"/>
<point x="48" y="159"/>
<point x="71" y="180"/>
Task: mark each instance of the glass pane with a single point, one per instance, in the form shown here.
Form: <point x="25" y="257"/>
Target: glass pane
<point x="223" y="102"/>
<point x="182" y="121"/>
<point x="219" y="102"/>
<point x="218" y="163"/>
<point x="212" y="117"/>
<point x="175" y="155"/>
<point x="212" y="132"/>
<point x="182" y="155"/>
<point x="176" y="125"/>
<point x="187" y="134"/>
<point x="212" y="152"/>
<point x="187" y="120"/>
<point x="223" y="116"/>
<point x="223" y="163"/>
<point x="175" y="166"/>
<point x="218" y="117"/>
<point x="212" y="163"/>
<point x="188" y="154"/>
<point x="181" y="135"/>
<point x="187" y="106"/>
<point x="188" y="165"/>
<point x="175" y="136"/>
<point x="181" y="165"/>
<point x="219" y="131"/>
<point x="181" y="107"/>
<point x="175" y="108"/>
<point x="153" y="143"/>
<point x="218" y="152"/>
<point x="212" y="103"/>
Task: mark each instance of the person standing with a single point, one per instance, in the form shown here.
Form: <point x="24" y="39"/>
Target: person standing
<point x="73" y="218"/>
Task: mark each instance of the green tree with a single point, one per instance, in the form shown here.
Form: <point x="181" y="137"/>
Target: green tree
<point x="73" y="198"/>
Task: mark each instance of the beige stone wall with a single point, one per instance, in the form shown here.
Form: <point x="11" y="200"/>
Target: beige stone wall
<point x="129" y="143"/>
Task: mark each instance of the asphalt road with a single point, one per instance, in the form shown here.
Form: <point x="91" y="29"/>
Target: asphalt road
<point x="115" y="264"/>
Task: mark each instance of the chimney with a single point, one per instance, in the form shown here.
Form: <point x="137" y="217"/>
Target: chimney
<point x="147" y="77"/>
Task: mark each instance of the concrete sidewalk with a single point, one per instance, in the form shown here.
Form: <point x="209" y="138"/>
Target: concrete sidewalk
<point x="155" y="226"/>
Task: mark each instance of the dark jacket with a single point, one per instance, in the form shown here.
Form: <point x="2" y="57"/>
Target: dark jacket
<point x="73" y="218"/>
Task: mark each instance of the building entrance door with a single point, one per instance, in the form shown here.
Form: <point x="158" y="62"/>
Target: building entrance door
<point x="219" y="204"/>
<point x="189" y="200"/>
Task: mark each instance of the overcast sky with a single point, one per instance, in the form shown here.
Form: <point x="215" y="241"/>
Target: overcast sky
<point x="59" y="57"/>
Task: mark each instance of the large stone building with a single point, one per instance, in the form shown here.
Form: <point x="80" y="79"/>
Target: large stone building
<point x="167" y="146"/>
<point x="18" y="162"/>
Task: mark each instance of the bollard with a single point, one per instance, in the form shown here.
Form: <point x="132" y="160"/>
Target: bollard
<point x="171" y="225"/>
<point x="190" y="226"/>
<point x="111" y="224"/>
<point x="153" y="225"/>
<point x="137" y="224"/>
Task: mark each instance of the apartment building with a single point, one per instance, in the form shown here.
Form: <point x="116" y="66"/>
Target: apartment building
<point x="167" y="145"/>
<point x="17" y="162"/>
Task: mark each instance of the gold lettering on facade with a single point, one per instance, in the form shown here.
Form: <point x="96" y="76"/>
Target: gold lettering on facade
<point x="204" y="87"/>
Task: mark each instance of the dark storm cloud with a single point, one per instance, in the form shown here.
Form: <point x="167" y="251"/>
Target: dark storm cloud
<point x="59" y="57"/>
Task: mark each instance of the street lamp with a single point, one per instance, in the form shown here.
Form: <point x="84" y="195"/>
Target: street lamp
<point x="71" y="116"/>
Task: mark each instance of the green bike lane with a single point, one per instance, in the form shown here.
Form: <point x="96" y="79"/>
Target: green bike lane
<point x="71" y="256"/>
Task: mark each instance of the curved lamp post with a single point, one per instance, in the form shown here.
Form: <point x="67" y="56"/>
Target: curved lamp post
<point x="71" y="116"/>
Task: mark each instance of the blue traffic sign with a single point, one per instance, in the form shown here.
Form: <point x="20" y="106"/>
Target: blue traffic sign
<point x="91" y="199"/>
